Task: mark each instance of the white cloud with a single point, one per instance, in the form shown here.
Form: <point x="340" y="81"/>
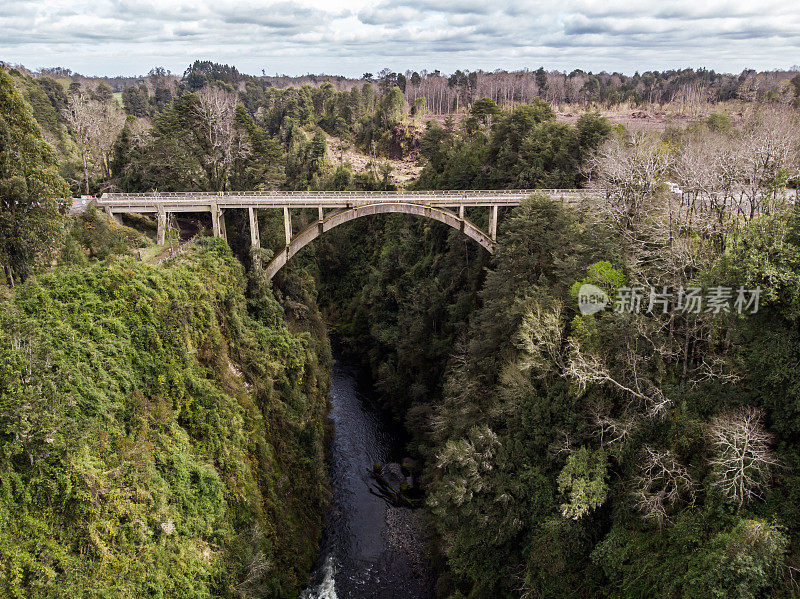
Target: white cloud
<point x="337" y="36"/>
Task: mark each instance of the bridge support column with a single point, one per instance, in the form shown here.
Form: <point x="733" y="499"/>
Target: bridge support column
<point x="255" y="238"/>
<point x="493" y="223"/>
<point x="287" y="225"/>
<point x="117" y="218"/>
<point x="215" y="230"/>
<point x="461" y="216"/>
<point x="320" y="219"/>
<point x="161" y="234"/>
<point x="223" y="232"/>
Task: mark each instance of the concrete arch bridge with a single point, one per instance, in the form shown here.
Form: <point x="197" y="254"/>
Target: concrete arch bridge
<point x="333" y="209"/>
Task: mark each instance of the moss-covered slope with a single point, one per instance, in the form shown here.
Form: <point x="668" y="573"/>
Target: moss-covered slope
<point x="155" y="440"/>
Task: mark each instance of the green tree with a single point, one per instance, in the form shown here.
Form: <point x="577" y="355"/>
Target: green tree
<point x="484" y="109"/>
<point x="368" y="96"/>
<point x="55" y="92"/>
<point x="593" y="129"/>
<point x="391" y="110"/>
<point x="316" y="153"/>
<point x="583" y="482"/>
<point x="102" y="93"/>
<point x="32" y="193"/>
<point x="796" y="83"/>
<point x="257" y="165"/>
<point x="135" y="101"/>
<point x="719" y="121"/>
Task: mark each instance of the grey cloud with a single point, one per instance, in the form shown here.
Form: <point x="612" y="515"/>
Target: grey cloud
<point x="114" y="35"/>
<point x="702" y="12"/>
<point x="282" y="15"/>
<point x="481" y="7"/>
<point x="19" y="9"/>
<point x="386" y="11"/>
<point x="375" y="15"/>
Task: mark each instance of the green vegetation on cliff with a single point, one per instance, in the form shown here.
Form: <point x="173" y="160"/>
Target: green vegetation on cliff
<point x="31" y="190"/>
<point x="155" y="440"/>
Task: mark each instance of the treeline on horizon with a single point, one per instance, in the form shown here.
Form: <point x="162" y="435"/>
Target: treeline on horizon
<point x="447" y="93"/>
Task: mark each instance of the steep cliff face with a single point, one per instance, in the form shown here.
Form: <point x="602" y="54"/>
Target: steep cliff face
<point x="155" y="439"/>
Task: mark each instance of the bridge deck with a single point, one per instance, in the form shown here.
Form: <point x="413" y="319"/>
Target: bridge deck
<point x="201" y="201"/>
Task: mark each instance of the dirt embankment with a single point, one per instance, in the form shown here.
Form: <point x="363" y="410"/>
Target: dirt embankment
<point x="343" y="152"/>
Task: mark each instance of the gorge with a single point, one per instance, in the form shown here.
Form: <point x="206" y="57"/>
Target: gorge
<point x="176" y="424"/>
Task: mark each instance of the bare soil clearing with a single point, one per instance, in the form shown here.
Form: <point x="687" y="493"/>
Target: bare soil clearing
<point x="342" y="152"/>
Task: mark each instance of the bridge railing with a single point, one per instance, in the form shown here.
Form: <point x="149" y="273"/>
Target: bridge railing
<point x="177" y="195"/>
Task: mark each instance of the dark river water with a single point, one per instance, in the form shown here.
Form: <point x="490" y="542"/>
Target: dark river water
<point x="365" y="547"/>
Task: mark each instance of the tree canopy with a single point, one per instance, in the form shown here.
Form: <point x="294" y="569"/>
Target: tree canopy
<point x="33" y="195"/>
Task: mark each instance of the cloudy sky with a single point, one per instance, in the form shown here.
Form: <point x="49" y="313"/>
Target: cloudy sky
<point x="351" y="37"/>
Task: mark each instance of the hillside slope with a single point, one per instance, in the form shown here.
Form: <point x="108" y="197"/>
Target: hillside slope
<point x="155" y="440"/>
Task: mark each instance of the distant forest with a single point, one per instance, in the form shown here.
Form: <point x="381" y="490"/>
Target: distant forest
<point x="449" y="93"/>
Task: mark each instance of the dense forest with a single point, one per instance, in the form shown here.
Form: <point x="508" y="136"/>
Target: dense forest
<point x="174" y="412"/>
<point x="444" y="93"/>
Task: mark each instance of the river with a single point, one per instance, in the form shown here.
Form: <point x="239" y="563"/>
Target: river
<point x="369" y="549"/>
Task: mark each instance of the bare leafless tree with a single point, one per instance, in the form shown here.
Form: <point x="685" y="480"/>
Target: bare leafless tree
<point x="95" y="126"/>
<point x="140" y="132"/>
<point x="108" y="121"/>
<point x="613" y="432"/>
<point x="646" y="397"/>
<point x="78" y="114"/>
<point x="769" y="155"/>
<point x="215" y="113"/>
<point x="662" y="481"/>
<point x="633" y="173"/>
<point x="743" y="459"/>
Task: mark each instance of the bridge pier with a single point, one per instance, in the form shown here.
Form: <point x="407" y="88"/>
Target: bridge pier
<point x="320" y="219"/>
<point x="117" y="218"/>
<point x="287" y="225"/>
<point x="215" y="228"/>
<point x="493" y="223"/>
<point x="161" y="234"/>
<point x="255" y="237"/>
<point x="223" y="232"/>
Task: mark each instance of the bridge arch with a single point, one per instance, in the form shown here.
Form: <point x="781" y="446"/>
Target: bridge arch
<point x="339" y="217"/>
